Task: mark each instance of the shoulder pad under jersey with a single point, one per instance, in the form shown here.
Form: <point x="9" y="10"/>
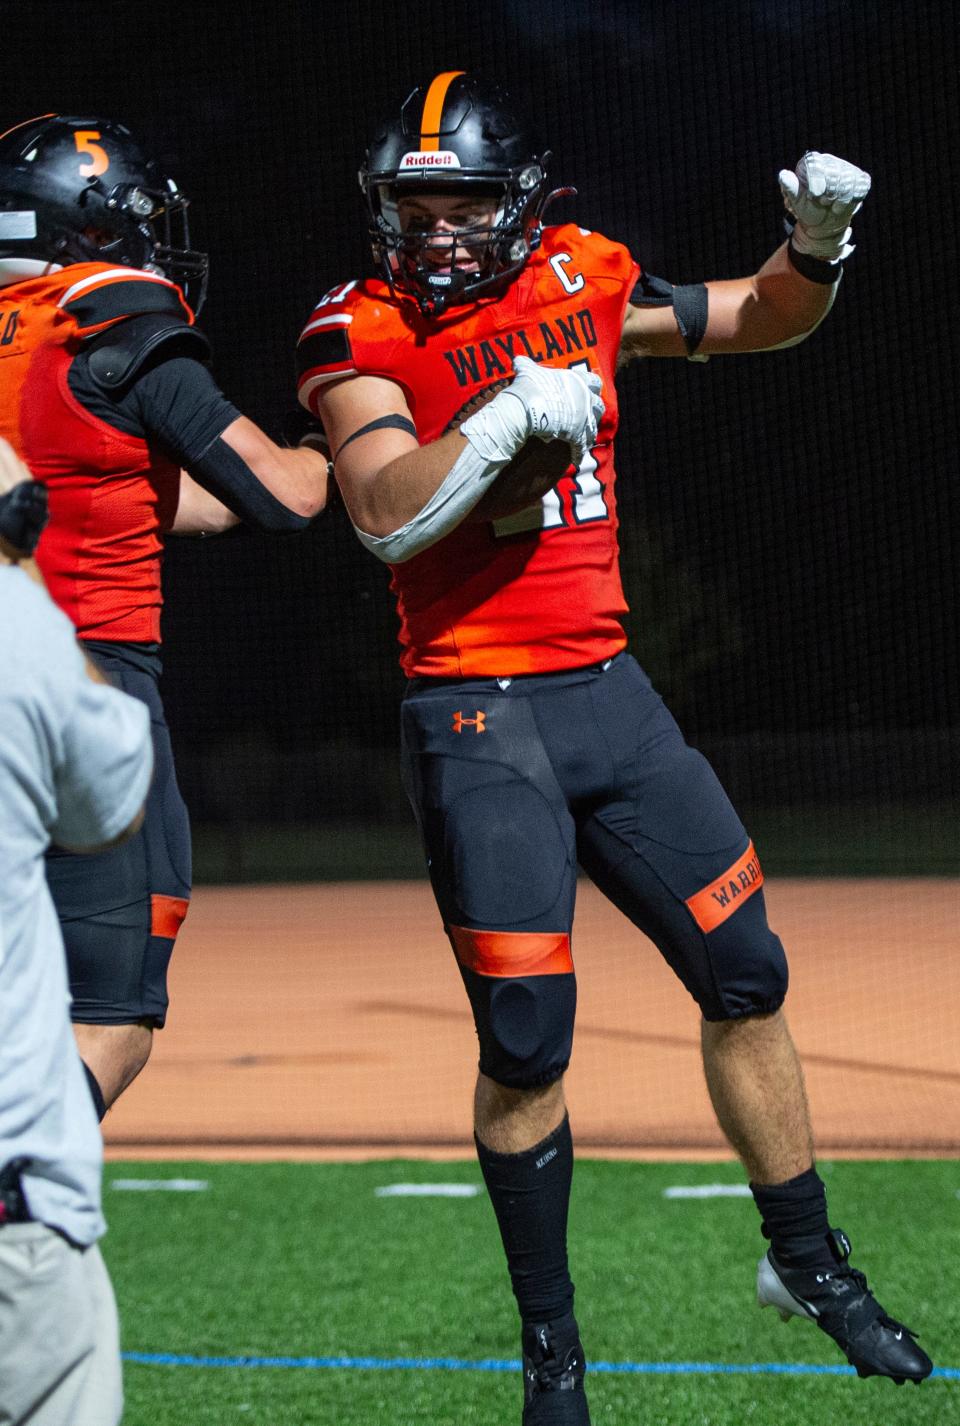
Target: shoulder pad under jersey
<point x="598" y="254"/>
<point x="323" y="349"/>
<point x="105" y="296"/>
<point x="118" y="354"/>
<point x="651" y="291"/>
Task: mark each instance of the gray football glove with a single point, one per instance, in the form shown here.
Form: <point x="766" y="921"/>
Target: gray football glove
<point x="823" y="193"/>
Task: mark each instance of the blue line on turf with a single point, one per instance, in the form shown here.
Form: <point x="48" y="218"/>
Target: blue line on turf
<point x="493" y="1364"/>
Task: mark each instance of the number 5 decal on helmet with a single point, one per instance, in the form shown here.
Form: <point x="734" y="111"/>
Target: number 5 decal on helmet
<point x="81" y="189"/>
<point x="99" y="163"/>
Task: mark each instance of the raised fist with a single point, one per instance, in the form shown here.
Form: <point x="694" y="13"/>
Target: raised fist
<point x="823" y="193"/>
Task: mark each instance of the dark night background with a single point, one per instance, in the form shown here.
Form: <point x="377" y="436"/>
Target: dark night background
<point x="789" y="521"/>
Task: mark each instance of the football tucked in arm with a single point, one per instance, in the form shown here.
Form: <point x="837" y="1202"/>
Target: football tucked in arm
<point x="534" y="470"/>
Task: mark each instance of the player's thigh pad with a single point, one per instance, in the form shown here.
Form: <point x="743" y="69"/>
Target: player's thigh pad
<point x="670" y="851"/>
<point x="120" y="910"/>
<point x="500" y="846"/>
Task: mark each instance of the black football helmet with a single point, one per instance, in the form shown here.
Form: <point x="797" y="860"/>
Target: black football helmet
<point x="457" y="135"/>
<point x="82" y="190"/>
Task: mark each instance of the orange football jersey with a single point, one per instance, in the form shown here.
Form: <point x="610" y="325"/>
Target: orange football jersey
<point x="110" y="495"/>
<point x="539" y="591"/>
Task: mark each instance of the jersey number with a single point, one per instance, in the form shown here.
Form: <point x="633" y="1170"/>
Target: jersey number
<point x="586" y="505"/>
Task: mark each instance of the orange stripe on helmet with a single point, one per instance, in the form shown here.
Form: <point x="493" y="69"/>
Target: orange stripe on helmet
<point x="35" y="120"/>
<point x="506" y="954"/>
<point x="433" y="109"/>
<point x="166" y="915"/>
<point x="711" y="906"/>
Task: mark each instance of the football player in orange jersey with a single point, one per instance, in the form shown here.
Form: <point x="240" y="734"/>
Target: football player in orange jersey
<point x="107" y="398"/>
<point x="532" y="740"/>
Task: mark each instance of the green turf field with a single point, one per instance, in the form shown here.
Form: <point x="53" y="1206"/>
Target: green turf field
<point x="305" y="1262"/>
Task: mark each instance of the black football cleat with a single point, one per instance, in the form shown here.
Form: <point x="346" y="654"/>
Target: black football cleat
<point x="553" y="1368"/>
<point x="842" y="1305"/>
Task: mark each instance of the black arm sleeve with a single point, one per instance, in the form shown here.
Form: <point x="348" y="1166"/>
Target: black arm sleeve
<point x="227" y="476"/>
<point x="175" y="401"/>
<point x="182" y="406"/>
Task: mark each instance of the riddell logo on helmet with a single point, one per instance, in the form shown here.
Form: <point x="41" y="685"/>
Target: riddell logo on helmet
<point x="439" y="158"/>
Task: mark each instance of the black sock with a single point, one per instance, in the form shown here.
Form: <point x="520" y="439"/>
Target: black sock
<point x="96" y="1093"/>
<point x="530" y="1193"/>
<point x="795" y="1220"/>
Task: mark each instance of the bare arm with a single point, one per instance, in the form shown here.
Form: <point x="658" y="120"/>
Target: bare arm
<point x="199" y="512"/>
<point x="243" y="475"/>
<point x="793" y="290"/>
<point x="403" y="497"/>
<point x="179" y="405"/>
<point x="298" y="478"/>
<point x="747" y="314"/>
<point x="386" y="476"/>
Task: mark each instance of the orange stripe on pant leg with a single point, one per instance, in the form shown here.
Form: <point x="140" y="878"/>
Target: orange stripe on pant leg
<point x="711" y="906"/>
<point x="512" y="953"/>
<point x="433" y="109"/>
<point x="166" y="915"/>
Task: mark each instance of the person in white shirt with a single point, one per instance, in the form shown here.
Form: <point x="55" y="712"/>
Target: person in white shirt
<point x="75" y="766"/>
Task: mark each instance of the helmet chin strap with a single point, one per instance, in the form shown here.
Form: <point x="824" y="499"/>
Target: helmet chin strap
<point x="444" y="288"/>
<point x="435" y="303"/>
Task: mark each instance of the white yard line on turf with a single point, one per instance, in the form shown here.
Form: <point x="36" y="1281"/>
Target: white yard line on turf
<point x="709" y="1190"/>
<point x="160" y="1185"/>
<point x="428" y="1190"/>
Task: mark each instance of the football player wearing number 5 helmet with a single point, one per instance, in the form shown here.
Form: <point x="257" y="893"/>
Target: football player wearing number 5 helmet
<point x="532" y="739"/>
<point x="108" y="399"/>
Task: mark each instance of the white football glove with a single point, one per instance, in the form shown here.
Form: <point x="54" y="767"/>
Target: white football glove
<point x="551" y="403"/>
<point x="823" y="194"/>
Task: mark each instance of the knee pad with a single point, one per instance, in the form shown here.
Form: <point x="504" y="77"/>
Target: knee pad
<point x="117" y="961"/>
<point x="524" y="1022"/>
<point x="749" y="965"/>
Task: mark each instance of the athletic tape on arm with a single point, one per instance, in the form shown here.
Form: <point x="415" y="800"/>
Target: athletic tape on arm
<point x="494" y="435"/>
<point x="468" y="479"/>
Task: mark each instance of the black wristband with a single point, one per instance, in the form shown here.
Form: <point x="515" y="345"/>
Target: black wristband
<point x="815" y="269"/>
<point x="23" y="514"/>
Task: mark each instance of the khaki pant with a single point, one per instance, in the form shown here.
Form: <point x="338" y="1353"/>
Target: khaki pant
<point x="59" y="1337"/>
